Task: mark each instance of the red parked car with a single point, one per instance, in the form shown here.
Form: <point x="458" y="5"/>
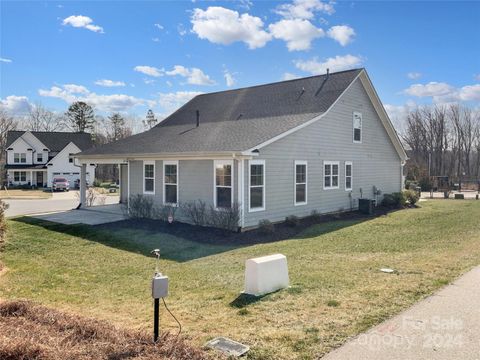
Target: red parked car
<point x="60" y="184"/>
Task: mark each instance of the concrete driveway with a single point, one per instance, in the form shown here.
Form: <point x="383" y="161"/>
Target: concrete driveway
<point x="60" y="201"/>
<point x="444" y="326"/>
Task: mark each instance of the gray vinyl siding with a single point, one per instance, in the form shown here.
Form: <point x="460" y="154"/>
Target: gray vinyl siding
<point x="375" y="161"/>
<point x="195" y="181"/>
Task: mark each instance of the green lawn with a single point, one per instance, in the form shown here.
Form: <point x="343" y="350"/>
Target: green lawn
<point x="337" y="289"/>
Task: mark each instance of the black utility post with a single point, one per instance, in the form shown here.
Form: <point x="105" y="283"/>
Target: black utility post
<point x="156" y="319"/>
<point x="159" y="290"/>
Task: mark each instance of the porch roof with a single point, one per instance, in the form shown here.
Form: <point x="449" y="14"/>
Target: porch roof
<point x="26" y="167"/>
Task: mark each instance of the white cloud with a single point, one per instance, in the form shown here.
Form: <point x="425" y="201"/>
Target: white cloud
<point x="304" y="9"/>
<point x="172" y="101"/>
<point x="5" y="60"/>
<point x="414" y="75"/>
<point x="149" y="70"/>
<point x="477" y="77"/>
<point x="442" y="93"/>
<point x="337" y="63"/>
<point x="15" y="105"/>
<point x="343" y="34"/>
<point x="470" y="93"/>
<point x="398" y="113"/>
<point x="193" y="75"/>
<point x="229" y="79"/>
<point x="429" y="90"/>
<point x="297" y="33"/>
<point x="155" y="39"/>
<point x="80" y="21"/>
<point x="71" y="92"/>
<point x="109" y="83"/>
<point x="181" y="29"/>
<point x="158" y="26"/>
<point x="75" y="89"/>
<point x="289" y="76"/>
<point x="224" y="26"/>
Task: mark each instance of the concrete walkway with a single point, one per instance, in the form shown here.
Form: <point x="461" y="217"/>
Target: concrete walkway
<point x="444" y="326"/>
<point x="95" y="215"/>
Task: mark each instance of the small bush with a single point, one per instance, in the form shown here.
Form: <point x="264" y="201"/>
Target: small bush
<point x="394" y="200"/>
<point x="411" y="196"/>
<point x="266" y="227"/>
<point x="141" y="207"/>
<point x="225" y="218"/>
<point x="195" y="212"/>
<point x="292" y="221"/>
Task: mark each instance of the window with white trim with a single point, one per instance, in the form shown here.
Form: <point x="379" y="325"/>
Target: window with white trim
<point x="330" y="175"/>
<point x="257" y="185"/>
<point x="149" y="177"/>
<point x="223" y="183"/>
<point x="357" y="127"/>
<point x="170" y="182"/>
<point x="20" y="176"/>
<point x="39" y="157"/>
<point x="348" y="175"/>
<point x="300" y="182"/>
<point x="20" y="158"/>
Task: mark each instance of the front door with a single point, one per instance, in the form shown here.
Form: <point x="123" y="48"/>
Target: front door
<point x="40" y="179"/>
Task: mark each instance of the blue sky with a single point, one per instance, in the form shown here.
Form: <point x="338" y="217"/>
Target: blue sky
<point x="131" y="56"/>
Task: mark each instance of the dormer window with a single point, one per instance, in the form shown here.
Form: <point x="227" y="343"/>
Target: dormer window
<point x="357" y="127"/>
<point x="19" y="158"/>
<point x="40" y="157"/>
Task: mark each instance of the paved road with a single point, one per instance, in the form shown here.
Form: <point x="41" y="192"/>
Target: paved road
<point x="58" y="202"/>
<point x="444" y="326"/>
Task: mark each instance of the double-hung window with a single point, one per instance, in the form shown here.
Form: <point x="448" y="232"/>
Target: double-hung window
<point x="149" y="177"/>
<point x="223" y="183"/>
<point x="300" y="182"/>
<point x="330" y="175"/>
<point x="357" y="127"/>
<point x="170" y="182"/>
<point x="257" y="185"/>
<point x="40" y="157"/>
<point x="348" y="175"/>
<point x="20" y="176"/>
<point x="20" y="158"/>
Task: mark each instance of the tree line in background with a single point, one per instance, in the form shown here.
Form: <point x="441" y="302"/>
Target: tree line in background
<point x="79" y="117"/>
<point x="442" y="140"/>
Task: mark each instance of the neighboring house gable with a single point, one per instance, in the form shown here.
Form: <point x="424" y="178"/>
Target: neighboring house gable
<point x="47" y="154"/>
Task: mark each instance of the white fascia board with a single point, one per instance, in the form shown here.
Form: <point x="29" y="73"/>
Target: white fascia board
<point x="382" y="114"/>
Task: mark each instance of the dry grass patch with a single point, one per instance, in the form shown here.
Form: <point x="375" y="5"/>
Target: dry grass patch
<point x="29" y="331"/>
<point x="24" y="194"/>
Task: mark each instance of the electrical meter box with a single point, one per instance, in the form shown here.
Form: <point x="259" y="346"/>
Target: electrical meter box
<point x="159" y="286"/>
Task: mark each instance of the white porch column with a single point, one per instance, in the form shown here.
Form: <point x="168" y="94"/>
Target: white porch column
<point x="83" y="185"/>
<point x="31" y="178"/>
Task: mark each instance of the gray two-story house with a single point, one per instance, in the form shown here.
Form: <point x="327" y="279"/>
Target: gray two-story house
<point x="286" y="148"/>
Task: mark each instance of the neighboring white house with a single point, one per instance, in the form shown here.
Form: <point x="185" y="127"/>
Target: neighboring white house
<point x="289" y="148"/>
<point x="35" y="158"/>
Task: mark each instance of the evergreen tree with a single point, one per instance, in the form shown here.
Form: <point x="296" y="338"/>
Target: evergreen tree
<point x="80" y="117"/>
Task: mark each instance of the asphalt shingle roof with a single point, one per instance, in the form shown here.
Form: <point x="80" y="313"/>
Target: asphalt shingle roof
<point x="236" y="120"/>
<point x="55" y="141"/>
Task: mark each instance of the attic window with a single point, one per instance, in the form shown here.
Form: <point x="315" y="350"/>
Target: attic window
<point x="357" y="127"/>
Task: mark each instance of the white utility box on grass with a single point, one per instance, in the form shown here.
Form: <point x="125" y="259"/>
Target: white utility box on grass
<point x="266" y="274"/>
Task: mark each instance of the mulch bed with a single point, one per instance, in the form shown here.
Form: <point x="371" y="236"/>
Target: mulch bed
<point x="209" y="235"/>
<point x="29" y="331"/>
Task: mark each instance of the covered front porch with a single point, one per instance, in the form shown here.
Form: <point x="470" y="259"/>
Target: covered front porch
<point x="35" y="176"/>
